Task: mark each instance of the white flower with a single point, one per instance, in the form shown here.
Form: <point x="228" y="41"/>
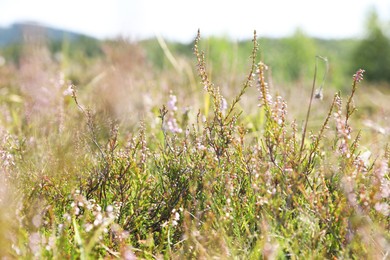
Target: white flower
<point x="224" y="105"/>
<point x="98" y="220"/>
<point x="69" y="91"/>
<point x="88" y="227"/>
<point x="177" y="216"/>
<point x="200" y="146"/>
<point x="110" y="208"/>
<point x="365" y="157"/>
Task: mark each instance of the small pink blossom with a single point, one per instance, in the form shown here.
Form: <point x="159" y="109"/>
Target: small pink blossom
<point x="224" y="105"/>
<point x="173" y="126"/>
<point x="358" y="76"/>
<point x="382" y="208"/>
<point x="172" y="103"/>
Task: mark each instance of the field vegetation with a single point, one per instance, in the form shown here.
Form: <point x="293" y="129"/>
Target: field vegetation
<point x="261" y="149"/>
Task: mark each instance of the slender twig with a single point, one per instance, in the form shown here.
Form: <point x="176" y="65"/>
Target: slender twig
<point x="89" y="123"/>
<point x="310" y="103"/>
<point x="319" y="91"/>
<point x="249" y="78"/>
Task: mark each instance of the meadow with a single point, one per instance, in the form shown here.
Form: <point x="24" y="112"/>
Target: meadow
<point x="218" y="150"/>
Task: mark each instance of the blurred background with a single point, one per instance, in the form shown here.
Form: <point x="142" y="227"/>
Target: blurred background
<point x="115" y="50"/>
<point x="178" y="21"/>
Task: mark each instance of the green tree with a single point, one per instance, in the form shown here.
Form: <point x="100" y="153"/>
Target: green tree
<point x="299" y="53"/>
<point x="373" y="52"/>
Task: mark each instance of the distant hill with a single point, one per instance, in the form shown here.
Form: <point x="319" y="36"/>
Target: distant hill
<point x="20" y="32"/>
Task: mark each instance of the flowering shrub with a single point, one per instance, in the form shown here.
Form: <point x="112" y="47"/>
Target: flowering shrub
<point x="196" y="184"/>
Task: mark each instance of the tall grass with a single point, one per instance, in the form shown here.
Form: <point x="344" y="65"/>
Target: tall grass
<point x="181" y="180"/>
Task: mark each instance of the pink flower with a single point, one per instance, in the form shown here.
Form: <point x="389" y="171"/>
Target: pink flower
<point x="172" y="103"/>
<point x="358" y="76"/>
<point x="224" y="105"/>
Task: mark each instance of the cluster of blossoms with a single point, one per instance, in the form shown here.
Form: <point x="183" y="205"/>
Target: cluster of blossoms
<point x="342" y="128"/>
<point x="349" y="189"/>
<point x="200" y="146"/>
<point x="279" y="111"/>
<point x="224" y="105"/>
<point x="278" y="108"/>
<point x="358" y="76"/>
<point x="175" y="218"/>
<point x="171" y="123"/>
<point x="69" y="91"/>
<point x="380" y="182"/>
<point x="37" y="241"/>
<point x="172" y="102"/>
<point x="383" y="193"/>
<point x="7" y="158"/>
<point x="265" y="97"/>
<point x="228" y="209"/>
<point x="92" y="212"/>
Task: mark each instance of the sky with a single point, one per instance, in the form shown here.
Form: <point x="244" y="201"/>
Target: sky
<point x="179" y="19"/>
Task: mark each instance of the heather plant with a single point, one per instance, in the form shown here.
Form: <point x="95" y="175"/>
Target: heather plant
<point x="198" y="181"/>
